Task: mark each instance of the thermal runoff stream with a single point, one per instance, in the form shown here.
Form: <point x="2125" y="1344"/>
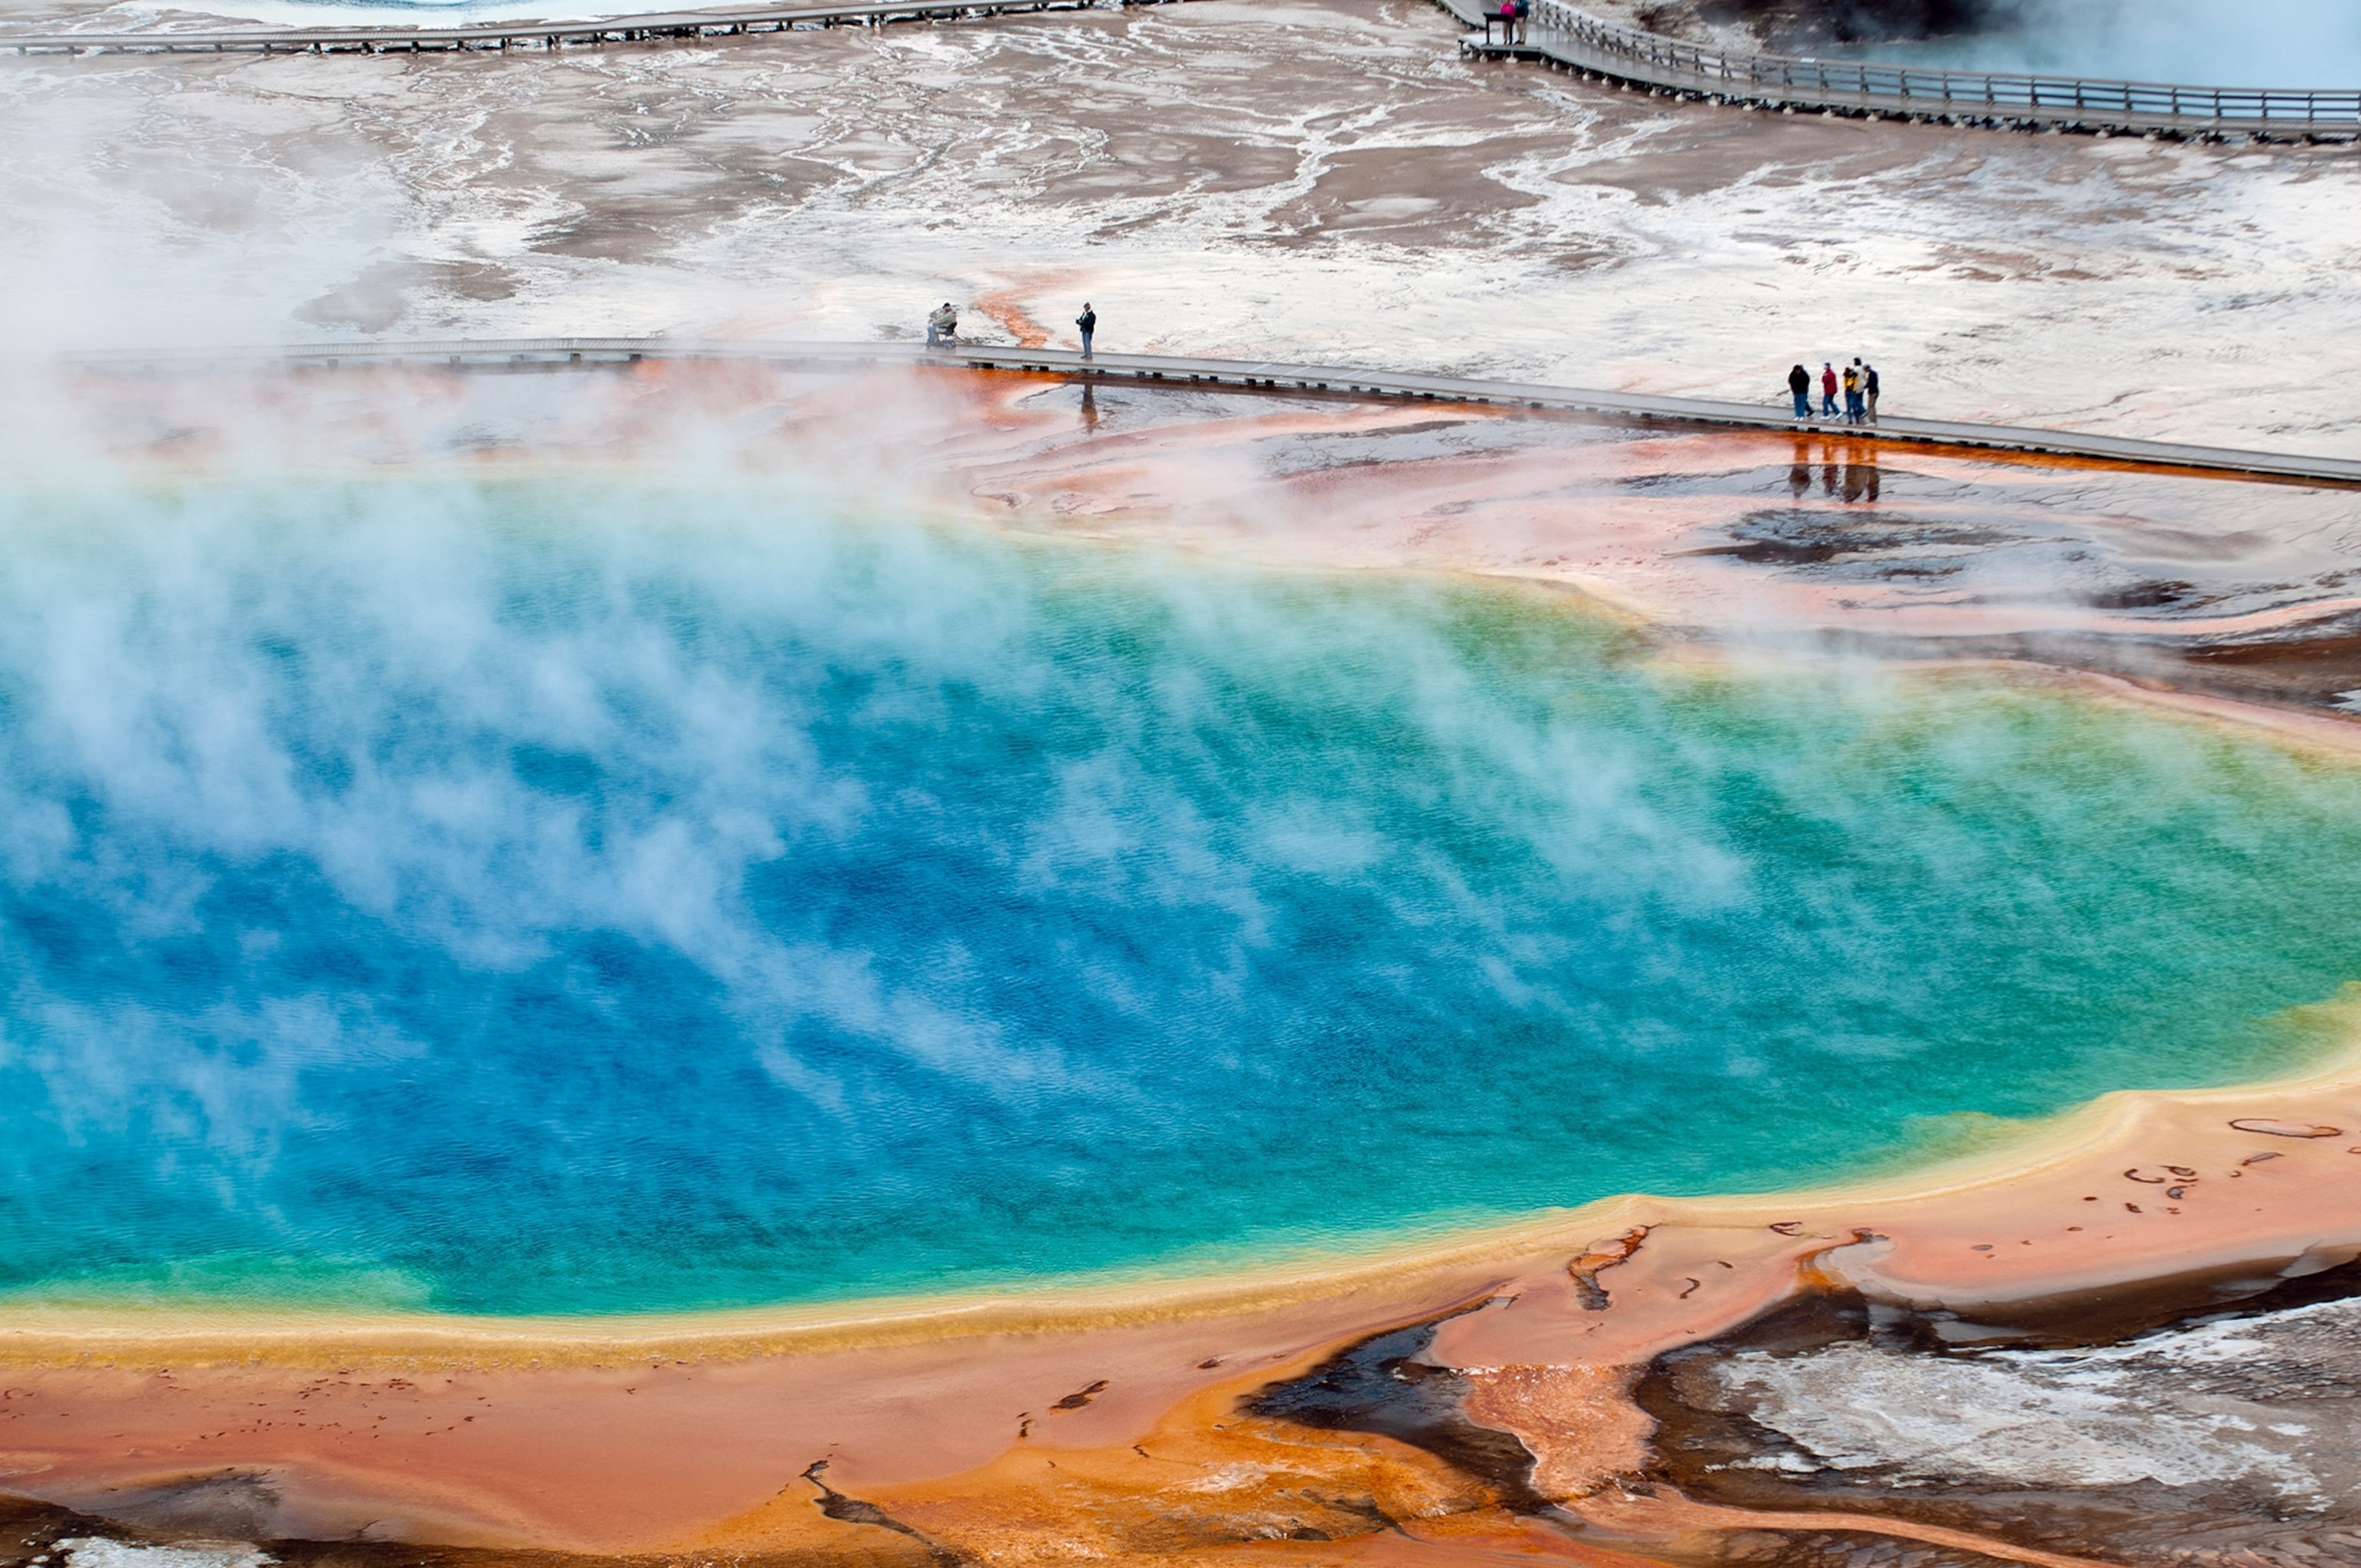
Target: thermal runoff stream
<point x="566" y="895"/>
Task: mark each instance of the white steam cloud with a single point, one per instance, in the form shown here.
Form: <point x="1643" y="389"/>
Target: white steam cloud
<point x="2285" y="43"/>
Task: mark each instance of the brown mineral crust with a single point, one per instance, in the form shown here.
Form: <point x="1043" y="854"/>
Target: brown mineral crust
<point x="2198" y="1359"/>
<point x="1206" y="1474"/>
<point x="605" y="1445"/>
<point x="1580" y="1421"/>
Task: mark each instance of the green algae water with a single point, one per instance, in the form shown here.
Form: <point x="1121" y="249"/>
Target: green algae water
<point x="548" y="898"/>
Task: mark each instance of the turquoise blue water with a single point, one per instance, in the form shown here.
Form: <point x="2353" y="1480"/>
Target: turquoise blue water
<point x="548" y="897"/>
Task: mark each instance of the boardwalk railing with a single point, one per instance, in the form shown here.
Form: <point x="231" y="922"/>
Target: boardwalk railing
<point x="531" y="34"/>
<point x="1577" y="39"/>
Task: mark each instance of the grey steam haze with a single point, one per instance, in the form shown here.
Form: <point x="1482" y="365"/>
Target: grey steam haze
<point x="2283" y="43"/>
<point x="2292" y="43"/>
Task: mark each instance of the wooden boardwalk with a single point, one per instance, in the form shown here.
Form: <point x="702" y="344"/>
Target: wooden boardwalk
<point x="1270" y="378"/>
<point x="531" y="34"/>
<point x="1560" y="33"/>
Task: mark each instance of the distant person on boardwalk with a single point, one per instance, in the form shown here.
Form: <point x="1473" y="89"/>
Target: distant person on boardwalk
<point x="1869" y="390"/>
<point x="1853" y="395"/>
<point x="1508" y="14"/>
<point x="1799" y="381"/>
<point x="1089" y="323"/>
<point x="1524" y="17"/>
<point x="943" y="327"/>
<point x="1828" y="390"/>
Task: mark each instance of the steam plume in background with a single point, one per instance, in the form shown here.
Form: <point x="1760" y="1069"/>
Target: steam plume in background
<point x="2283" y="43"/>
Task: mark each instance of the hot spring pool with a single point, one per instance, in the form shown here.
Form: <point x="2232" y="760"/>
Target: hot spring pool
<point x="551" y="896"/>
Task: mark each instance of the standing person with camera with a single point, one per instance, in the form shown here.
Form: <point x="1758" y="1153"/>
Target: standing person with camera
<point x="1089" y="323"/>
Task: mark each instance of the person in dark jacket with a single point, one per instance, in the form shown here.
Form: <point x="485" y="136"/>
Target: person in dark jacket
<point x="1869" y="390"/>
<point x="1524" y="13"/>
<point x="1088" y="322"/>
<point x="1799" y="382"/>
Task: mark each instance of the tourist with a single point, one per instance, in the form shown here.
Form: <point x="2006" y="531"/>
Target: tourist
<point x="1828" y="390"/>
<point x="1524" y="14"/>
<point x="1799" y="381"/>
<point x="1089" y="323"/>
<point x="1508" y="14"/>
<point x="1869" y="390"/>
<point x="942" y="327"/>
<point x="1853" y="395"/>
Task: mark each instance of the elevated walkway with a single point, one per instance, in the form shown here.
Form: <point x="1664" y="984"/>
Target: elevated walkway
<point x="1274" y="376"/>
<point x="531" y="34"/>
<point x="1560" y="33"/>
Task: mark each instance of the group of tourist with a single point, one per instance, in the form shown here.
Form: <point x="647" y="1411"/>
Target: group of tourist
<point x="1857" y="381"/>
<point x="1514" y="17"/>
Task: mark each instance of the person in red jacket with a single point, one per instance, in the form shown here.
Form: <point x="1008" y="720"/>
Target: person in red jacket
<point x="1828" y="390"/>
